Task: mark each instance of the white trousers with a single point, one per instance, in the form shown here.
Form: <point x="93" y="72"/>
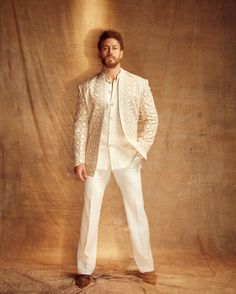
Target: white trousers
<point x="129" y="182"/>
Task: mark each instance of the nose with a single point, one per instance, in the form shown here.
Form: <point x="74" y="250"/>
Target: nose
<point x="110" y="50"/>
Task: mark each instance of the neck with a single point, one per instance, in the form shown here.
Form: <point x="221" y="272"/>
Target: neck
<point x="112" y="73"/>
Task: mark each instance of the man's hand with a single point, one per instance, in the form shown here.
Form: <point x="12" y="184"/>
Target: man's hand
<point x="80" y="172"/>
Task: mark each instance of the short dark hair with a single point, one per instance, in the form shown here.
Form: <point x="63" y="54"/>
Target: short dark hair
<point x="110" y="34"/>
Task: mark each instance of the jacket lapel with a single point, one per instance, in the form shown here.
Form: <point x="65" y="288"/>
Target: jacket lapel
<point x="121" y="92"/>
<point x="99" y="90"/>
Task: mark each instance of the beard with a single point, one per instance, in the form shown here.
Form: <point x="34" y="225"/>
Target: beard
<point x="110" y="61"/>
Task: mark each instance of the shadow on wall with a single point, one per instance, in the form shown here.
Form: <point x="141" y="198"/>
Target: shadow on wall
<point x="90" y="52"/>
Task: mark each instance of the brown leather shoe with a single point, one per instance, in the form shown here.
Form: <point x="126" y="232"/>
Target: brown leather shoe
<point x="148" y="277"/>
<point x="82" y="281"/>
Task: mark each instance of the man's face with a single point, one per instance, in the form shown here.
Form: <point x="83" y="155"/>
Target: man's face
<point x="110" y="53"/>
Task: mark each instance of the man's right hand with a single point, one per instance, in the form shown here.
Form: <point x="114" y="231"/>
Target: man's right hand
<point x="80" y="172"/>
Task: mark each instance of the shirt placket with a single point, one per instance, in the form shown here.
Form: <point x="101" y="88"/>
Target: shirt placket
<point x="111" y="128"/>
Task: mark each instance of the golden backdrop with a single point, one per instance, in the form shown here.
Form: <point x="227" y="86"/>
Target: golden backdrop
<point x="186" y="49"/>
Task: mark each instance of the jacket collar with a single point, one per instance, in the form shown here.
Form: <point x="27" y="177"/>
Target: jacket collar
<point x="106" y="78"/>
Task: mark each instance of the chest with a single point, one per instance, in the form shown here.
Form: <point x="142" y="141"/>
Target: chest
<point x="124" y="93"/>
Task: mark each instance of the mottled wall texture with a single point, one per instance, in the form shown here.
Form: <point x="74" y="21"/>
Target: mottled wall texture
<point x="186" y="49"/>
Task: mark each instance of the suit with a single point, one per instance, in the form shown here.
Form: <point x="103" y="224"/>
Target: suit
<point x="135" y="103"/>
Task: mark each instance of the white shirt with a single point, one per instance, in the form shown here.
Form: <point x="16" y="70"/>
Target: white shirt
<point x="114" y="151"/>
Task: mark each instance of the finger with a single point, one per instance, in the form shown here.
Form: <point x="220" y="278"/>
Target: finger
<point x="85" y="174"/>
<point x="77" y="175"/>
<point x="81" y="176"/>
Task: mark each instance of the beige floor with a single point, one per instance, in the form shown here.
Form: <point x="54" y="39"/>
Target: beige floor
<point x="177" y="273"/>
<point x="186" y="49"/>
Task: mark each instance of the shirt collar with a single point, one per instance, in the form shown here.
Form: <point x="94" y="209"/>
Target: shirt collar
<point x="107" y="79"/>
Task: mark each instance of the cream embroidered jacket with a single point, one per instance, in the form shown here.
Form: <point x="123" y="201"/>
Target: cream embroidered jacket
<point x="136" y="104"/>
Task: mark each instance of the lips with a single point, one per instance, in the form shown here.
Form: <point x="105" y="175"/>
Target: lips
<point x="110" y="57"/>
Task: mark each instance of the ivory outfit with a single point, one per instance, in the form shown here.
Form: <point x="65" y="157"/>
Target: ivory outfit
<point x="114" y="150"/>
<point x="135" y="101"/>
<point x="106" y="140"/>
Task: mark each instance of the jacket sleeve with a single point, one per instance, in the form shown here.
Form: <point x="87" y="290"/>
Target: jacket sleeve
<point x="149" y="118"/>
<point x="80" y="129"/>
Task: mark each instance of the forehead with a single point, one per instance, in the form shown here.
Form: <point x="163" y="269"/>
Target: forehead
<point x="110" y="42"/>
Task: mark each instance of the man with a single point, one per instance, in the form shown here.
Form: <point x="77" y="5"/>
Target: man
<point x="106" y="140"/>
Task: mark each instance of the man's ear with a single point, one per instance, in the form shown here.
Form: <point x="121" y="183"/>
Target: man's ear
<point x="99" y="55"/>
<point x="121" y="53"/>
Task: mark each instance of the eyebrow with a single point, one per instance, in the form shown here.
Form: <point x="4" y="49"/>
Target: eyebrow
<point x="113" y="45"/>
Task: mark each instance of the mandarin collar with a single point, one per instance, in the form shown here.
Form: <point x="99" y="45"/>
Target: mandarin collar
<point x="106" y="78"/>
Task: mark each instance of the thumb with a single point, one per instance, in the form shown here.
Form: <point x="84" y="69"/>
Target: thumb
<point x="85" y="172"/>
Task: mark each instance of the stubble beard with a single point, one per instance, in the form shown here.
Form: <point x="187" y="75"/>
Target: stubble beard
<point x="110" y="64"/>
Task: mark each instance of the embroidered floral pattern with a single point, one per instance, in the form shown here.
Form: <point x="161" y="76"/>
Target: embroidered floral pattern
<point x="135" y="103"/>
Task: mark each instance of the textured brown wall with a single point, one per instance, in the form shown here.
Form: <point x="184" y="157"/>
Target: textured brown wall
<point x="187" y="51"/>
